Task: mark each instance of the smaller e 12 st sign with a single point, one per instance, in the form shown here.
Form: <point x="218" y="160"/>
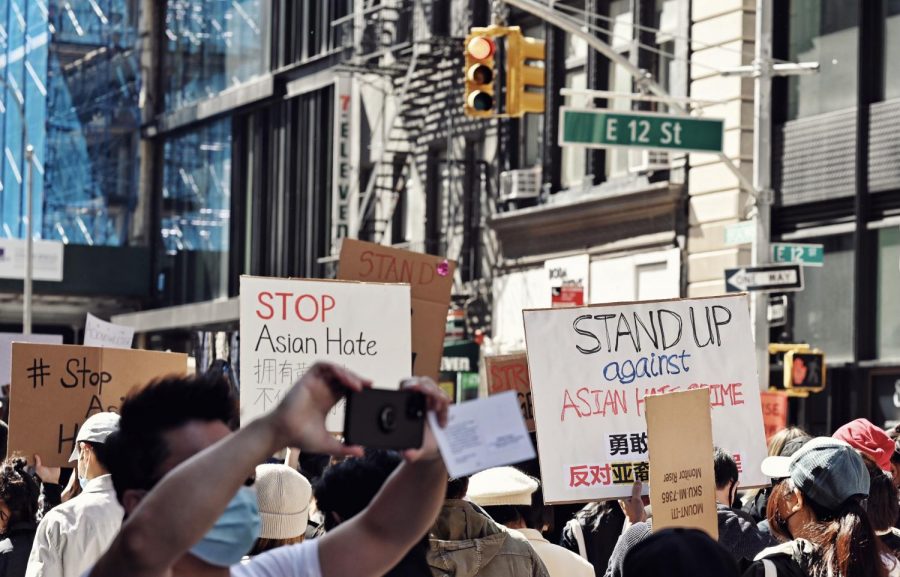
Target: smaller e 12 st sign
<point x="609" y="129"/>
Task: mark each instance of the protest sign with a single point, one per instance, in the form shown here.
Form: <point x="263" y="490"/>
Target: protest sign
<point x="99" y="333"/>
<point x="775" y="412"/>
<point x="289" y="324"/>
<point x="592" y="366"/>
<point x="682" y="477"/>
<point x="6" y="341"/>
<point x="569" y="278"/>
<point x="55" y="388"/>
<point x="510" y="373"/>
<point x="430" y="279"/>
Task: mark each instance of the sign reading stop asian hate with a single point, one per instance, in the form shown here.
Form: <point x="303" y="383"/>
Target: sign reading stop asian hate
<point x="289" y="324"/>
<point x="55" y="388"/>
<point x="591" y="368"/>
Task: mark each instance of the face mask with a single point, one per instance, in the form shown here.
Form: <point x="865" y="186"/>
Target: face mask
<point x="234" y="533"/>
<point x="82" y="479"/>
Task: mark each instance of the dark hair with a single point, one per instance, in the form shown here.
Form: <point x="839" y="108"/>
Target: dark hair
<point x="135" y="452"/>
<point x="679" y="553"/>
<point x="457" y="488"/>
<point x="19" y="490"/>
<point x="725" y="469"/>
<point x="506" y="514"/>
<point x="349" y="486"/>
<point x="844" y="541"/>
<point x="883" y="505"/>
<point x="100" y="451"/>
<point x="313" y="465"/>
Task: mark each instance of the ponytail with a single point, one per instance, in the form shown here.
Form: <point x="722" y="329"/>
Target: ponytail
<point x="845" y="543"/>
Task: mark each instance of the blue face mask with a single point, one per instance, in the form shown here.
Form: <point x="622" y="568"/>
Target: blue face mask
<point x="83" y="481"/>
<point x="234" y="533"/>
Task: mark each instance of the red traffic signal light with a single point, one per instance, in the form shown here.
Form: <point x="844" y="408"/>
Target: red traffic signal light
<point x="480" y="47"/>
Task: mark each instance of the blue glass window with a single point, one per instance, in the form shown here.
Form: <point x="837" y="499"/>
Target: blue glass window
<point x="211" y="45"/>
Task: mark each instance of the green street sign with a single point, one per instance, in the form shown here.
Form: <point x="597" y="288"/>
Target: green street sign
<point x="802" y="254"/>
<point x="609" y="129"/>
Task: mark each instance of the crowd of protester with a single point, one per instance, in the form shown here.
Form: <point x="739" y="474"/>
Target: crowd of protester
<point x="171" y="486"/>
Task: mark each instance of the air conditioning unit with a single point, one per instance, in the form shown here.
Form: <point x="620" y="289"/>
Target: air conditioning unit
<point x="520" y="184"/>
<point x="643" y="161"/>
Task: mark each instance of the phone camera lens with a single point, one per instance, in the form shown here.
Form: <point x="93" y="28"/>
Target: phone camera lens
<point x="387" y="419"/>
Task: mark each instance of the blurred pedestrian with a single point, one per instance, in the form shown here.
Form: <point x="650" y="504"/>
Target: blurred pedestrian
<point x="507" y="495"/>
<point x="761" y="501"/>
<point x="818" y="509"/>
<point x="869" y="440"/>
<point x="466" y="542"/>
<point x="679" y="553"/>
<point x="72" y="536"/>
<point x="784" y="442"/>
<point x="283" y="496"/>
<point x="18" y="515"/>
<point x="593" y="533"/>
<point x="883" y="507"/>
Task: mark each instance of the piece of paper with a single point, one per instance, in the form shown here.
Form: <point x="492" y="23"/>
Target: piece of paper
<point x="775" y="411"/>
<point x="430" y="279"/>
<point x="482" y="434"/>
<point x="99" y="333"/>
<point x="55" y="388"/>
<point x="289" y="324"/>
<point x="591" y="368"/>
<point x="682" y="477"/>
<point x="510" y="373"/>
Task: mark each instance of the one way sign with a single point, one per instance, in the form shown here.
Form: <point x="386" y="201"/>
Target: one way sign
<point x="776" y="277"/>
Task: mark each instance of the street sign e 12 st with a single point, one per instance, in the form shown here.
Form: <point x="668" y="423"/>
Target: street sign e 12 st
<point x="775" y="277"/>
<point x="802" y="254"/>
<point x="601" y="128"/>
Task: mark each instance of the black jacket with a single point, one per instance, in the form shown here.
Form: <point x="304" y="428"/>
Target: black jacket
<point x="14" y="550"/>
<point x="601" y="525"/>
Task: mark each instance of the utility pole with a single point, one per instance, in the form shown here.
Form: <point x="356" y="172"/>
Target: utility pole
<point x="29" y="241"/>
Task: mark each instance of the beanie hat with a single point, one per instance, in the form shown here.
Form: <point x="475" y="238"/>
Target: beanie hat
<point x="869" y="440"/>
<point x="501" y="486"/>
<point x="283" y="495"/>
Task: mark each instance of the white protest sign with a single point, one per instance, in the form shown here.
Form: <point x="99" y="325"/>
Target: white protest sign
<point x="99" y="333"/>
<point x="591" y="368"/>
<point x="287" y="325"/>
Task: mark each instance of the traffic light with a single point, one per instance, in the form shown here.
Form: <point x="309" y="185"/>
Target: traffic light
<point x="480" y="74"/>
<point x="804" y="371"/>
<point x="525" y="82"/>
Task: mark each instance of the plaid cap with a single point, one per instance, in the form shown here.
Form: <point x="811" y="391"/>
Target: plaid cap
<point x="826" y="470"/>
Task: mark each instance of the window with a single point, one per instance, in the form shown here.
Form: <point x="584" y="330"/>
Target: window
<point x="619" y="78"/>
<point x="574" y="157"/>
<point x="195" y="214"/>
<point x="892" y="49"/>
<point x="823" y="31"/>
<point x="212" y="45"/>
<point x="304" y="29"/>
<point x="887" y="324"/>
<point x="823" y="310"/>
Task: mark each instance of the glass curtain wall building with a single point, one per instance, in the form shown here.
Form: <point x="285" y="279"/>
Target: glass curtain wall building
<point x="69" y="86"/>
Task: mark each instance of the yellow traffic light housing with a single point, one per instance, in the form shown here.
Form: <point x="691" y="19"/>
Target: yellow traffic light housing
<point x="804" y="371"/>
<point x="525" y="82"/>
<point x="500" y="77"/>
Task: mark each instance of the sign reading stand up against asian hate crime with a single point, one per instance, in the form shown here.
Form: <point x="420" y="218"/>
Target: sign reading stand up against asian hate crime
<point x="289" y="324"/>
<point x="55" y="388"/>
<point x="591" y="368"/>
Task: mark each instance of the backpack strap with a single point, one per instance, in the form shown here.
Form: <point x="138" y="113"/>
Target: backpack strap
<point x="769" y="568"/>
<point x="574" y="526"/>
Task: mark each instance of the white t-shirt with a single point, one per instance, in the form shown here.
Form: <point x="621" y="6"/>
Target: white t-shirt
<point x="300" y="560"/>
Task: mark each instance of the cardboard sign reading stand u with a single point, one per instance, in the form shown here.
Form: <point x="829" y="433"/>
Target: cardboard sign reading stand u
<point x="55" y="388"/>
<point x="592" y="367"/>
<point x="682" y="478"/>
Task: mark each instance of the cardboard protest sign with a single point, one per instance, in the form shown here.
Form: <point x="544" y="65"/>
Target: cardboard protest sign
<point x="775" y="412"/>
<point x="289" y="324"/>
<point x="55" y="388"/>
<point x="430" y="279"/>
<point x="99" y="333"/>
<point x="6" y="341"/>
<point x="510" y="373"/>
<point x="591" y="368"/>
<point x="682" y="477"/>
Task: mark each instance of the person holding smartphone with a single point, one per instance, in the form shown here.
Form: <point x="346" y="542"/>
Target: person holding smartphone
<point x="181" y="476"/>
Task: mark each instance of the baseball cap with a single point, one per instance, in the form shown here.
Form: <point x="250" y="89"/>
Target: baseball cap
<point x="501" y="486"/>
<point x="869" y="440"/>
<point x="828" y="471"/>
<point x="95" y="430"/>
<point x="283" y="496"/>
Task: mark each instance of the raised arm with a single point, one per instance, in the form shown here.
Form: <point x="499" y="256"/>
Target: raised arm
<point x="400" y="514"/>
<point x="174" y="515"/>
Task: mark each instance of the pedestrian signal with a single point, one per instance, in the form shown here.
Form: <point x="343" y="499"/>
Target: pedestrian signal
<point x="804" y="371"/>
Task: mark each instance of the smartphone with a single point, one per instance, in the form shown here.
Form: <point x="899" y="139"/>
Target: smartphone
<point x="384" y="419"/>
